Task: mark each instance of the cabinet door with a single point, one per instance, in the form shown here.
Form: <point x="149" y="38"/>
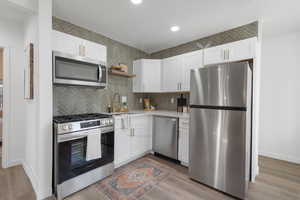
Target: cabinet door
<point x="141" y="134"/>
<point x="140" y="142"/>
<point x="191" y="60"/>
<point x="214" y="55"/>
<point x="65" y="43"/>
<point x="94" y="51"/>
<point x="137" y="81"/>
<point x="122" y="146"/>
<point x="151" y="75"/>
<point x="183" y="142"/>
<point x="172" y="74"/>
<point x="242" y="50"/>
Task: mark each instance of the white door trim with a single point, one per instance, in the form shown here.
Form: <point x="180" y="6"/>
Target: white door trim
<point x="6" y="119"/>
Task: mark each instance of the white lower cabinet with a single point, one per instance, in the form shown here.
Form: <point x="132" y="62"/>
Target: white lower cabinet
<point x="183" y="142"/>
<point x="122" y="146"/>
<point x="133" y="137"/>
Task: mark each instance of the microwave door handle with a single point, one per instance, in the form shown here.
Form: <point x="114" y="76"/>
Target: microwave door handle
<point x="100" y="73"/>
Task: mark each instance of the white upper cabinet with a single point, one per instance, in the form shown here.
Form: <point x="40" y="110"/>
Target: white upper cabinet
<point x="176" y="71"/>
<point x="235" y="51"/>
<point x="69" y="44"/>
<point x="214" y="55"/>
<point x="172" y="74"/>
<point x="242" y="50"/>
<point x="191" y="60"/>
<point x="65" y="43"/>
<point x="148" y="76"/>
<point x="95" y="50"/>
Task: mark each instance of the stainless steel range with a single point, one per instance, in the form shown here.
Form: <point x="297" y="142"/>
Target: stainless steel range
<point x="83" y="151"/>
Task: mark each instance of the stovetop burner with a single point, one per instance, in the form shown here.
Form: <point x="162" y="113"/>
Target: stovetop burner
<point x="81" y="117"/>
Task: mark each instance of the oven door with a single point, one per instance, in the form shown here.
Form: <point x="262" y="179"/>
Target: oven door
<point x="75" y="70"/>
<point x="72" y="155"/>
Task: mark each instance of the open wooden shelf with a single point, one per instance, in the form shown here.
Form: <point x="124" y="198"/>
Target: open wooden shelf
<point x="119" y="73"/>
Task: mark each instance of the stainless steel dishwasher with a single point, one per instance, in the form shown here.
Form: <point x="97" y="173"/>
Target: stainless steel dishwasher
<point x="165" y="136"/>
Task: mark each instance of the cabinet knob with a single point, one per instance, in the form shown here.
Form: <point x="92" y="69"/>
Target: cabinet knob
<point x="81" y="50"/>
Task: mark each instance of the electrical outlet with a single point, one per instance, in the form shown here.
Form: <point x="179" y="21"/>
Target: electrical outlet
<point x="141" y="100"/>
<point x="124" y="99"/>
<point x="172" y="100"/>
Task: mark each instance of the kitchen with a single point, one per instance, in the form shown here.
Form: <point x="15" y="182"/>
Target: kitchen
<point x="143" y="128"/>
<point x="180" y="112"/>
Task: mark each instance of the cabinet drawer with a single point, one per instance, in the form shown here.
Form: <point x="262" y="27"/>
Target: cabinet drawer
<point x="140" y="122"/>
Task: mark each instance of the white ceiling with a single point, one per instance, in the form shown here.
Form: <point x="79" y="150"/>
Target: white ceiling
<point x="147" y="26"/>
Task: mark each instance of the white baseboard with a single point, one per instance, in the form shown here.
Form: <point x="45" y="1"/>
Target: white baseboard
<point x="32" y="176"/>
<point x="12" y="163"/>
<point x="281" y="157"/>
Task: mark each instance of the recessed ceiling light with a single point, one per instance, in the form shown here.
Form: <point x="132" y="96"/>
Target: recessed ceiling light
<point x="136" y="2"/>
<point x="175" y="28"/>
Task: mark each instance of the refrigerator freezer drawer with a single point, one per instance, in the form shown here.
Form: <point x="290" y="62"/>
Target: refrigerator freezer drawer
<point x="218" y="150"/>
<point x="165" y="136"/>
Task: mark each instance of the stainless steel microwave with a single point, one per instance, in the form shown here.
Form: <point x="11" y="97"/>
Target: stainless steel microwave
<point x="78" y="71"/>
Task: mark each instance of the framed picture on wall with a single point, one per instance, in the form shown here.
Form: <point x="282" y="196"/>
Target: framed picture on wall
<point x="28" y="72"/>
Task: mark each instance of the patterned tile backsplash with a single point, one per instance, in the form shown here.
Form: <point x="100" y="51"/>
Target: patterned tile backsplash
<point x="77" y="100"/>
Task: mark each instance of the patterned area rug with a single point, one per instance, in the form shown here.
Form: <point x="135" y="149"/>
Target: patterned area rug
<point x="134" y="180"/>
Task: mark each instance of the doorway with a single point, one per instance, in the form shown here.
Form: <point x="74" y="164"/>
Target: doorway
<point x="1" y="98"/>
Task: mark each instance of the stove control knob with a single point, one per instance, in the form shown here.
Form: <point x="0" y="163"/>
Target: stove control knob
<point x="65" y="127"/>
<point x="70" y="127"/>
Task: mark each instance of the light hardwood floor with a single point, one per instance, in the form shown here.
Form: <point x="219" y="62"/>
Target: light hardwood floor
<point x="14" y="184"/>
<point x="278" y="180"/>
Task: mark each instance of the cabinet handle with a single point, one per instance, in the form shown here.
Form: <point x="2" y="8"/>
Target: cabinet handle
<point x="228" y="54"/>
<point x="81" y="50"/>
<point x="133" y="132"/>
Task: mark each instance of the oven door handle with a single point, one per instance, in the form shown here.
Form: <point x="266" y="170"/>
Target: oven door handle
<point x="63" y="138"/>
<point x="74" y="136"/>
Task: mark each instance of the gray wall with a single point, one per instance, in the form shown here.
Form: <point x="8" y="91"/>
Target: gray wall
<point x="75" y="100"/>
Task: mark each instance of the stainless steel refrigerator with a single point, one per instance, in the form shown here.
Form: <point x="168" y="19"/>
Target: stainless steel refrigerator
<point x="220" y="127"/>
